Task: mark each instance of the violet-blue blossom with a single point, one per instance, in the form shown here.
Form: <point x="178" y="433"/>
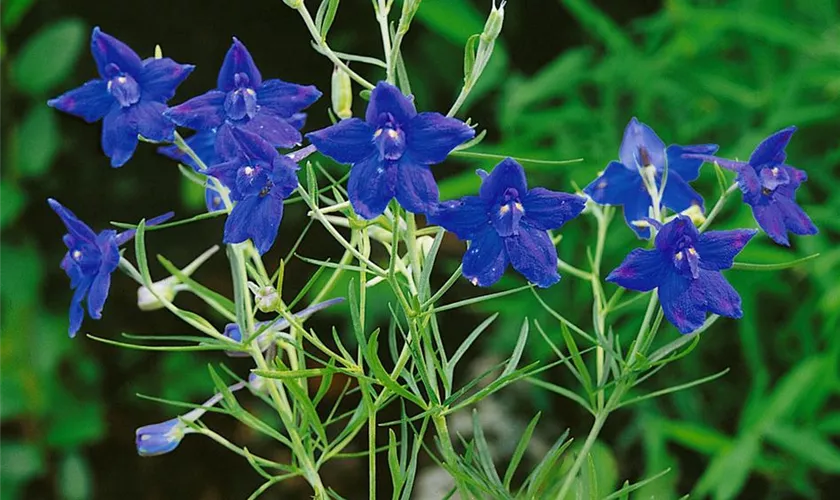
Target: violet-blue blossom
<point x="259" y="180"/>
<point x="390" y="151"/>
<point x="621" y="183"/>
<point x="769" y="187"/>
<point x="508" y="223"/>
<point x="89" y="262"/>
<point x="271" y="109"/>
<point x="685" y="267"/>
<point x="129" y="97"/>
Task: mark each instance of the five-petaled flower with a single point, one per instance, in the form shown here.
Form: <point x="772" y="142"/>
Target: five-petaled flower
<point x="508" y="223"/>
<point x="391" y="151"/>
<point x="642" y="153"/>
<point x="259" y="179"/>
<point x="130" y="97"/>
<point x="269" y="109"/>
<point x="769" y="187"/>
<point x="89" y="262"/>
<point x="685" y="266"/>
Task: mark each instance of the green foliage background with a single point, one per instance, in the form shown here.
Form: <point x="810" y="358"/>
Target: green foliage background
<point x="565" y="79"/>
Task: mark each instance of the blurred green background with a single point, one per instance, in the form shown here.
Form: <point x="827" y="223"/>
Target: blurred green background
<point x="566" y="78"/>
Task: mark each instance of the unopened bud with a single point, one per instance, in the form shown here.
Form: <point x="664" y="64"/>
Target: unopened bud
<point x="295" y="4"/>
<point x="165" y="288"/>
<point x="695" y="213"/>
<point x="158" y="52"/>
<point x="493" y="26"/>
<point x="266" y="297"/>
<point x="425" y="244"/>
<point x="342" y="93"/>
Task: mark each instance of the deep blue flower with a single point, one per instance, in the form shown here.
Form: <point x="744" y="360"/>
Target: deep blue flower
<point x="203" y="145"/>
<point x="157" y="439"/>
<point x="391" y="151"/>
<point x="508" y="223"/>
<point x="685" y="266"/>
<point x="89" y="262"/>
<point x="130" y="97"/>
<point x="269" y="109"/>
<point x="259" y="180"/>
<point x="769" y="187"/>
<point x="621" y="182"/>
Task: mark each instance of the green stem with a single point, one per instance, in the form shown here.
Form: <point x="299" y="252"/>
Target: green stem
<point x="600" y="419"/>
<point x="382" y="9"/>
<point x="718" y="207"/>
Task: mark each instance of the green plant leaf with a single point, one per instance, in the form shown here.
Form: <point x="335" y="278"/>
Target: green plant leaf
<point x="49" y="56"/>
<point x="36" y="141"/>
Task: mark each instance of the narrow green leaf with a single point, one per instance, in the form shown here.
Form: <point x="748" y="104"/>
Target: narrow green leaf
<point x="517" y="351"/>
<point x="519" y="452"/>
<point x="462" y="349"/>
<point x="469" y="55"/>
<point x="773" y="267"/>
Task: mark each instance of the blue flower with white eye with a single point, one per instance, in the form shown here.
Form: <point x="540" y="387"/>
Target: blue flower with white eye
<point x="129" y="98"/>
<point x="270" y="109"/>
<point x="390" y="152"/>
<point x="769" y="186"/>
<point x="622" y="183"/>
<point x="508" y="223"/>
<point x="685" y="267"/>
<point x="89" y="262"/>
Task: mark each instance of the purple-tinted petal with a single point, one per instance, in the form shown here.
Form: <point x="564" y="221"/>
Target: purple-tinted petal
<point x="108" y="50"/>
<point x="720" y="297"/>
<point x="465" y="217"/>
<point x="641" y="147"/>
<point x="212" y="199"/>
<point x="532" y="253"/>
<point x="796" y="220"/>
<point x="430" y="137"/>
<point x="90" y="102"/>
<point x="618" y="185"/>
<point x="98" y="294"/>
<point x="160" y="78"/>
<point x="771" y="178"/>
<point x="717" y="249"/>
<point x="76" y="227"/>
<point x="150" y="121"/>
<point x="772" y="149"/>
<point x="671" y="235"/>
<point x="386" y="98"/>
<point x="416" y="190"/>
<point x="546" y="209"/>
<point x="642" y="270"/>
<point x="722" y="162"/>
<point x="238" y="60"/>
<point x="226" y="172"/>
<point x="771" y="219"/>
<point x="688" y="168"/>
<point x="77" y="312"/>
<point x="284" y="177"/>
<point x="119" y="136"/>
<point x="274" y="129"/>
<point x="636" y="210"/>
<point x="253" y="147"/>
<point x="204" y="112"/>
<point x="682" y="303"/>
<point x="796" y="177"/>
<point x="256" y="218"/>
<point x="678" y="195"/>
<point x="486" y="259"/>
<point x="125" y="236"/>
<point x="348" y="141"/>
<point x="371" y="186"/>
<point x="507" y="174"/>
<point x="297" y="120"/>
<point x="157" y="439"/>
<point x="203" y="145"/>
<point x="284" y="98"/>
<point x="750" y="184"/>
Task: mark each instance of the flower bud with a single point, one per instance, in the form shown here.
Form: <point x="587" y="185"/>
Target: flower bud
<point x="695" y="214"/>
<point x="342" y="93"/>
<point x="157" y="439"/>
<point x="266" y="297"/>
<point x="295" y="4"/>
<point x="147" y="301"/>
<point x="493" y="26"/>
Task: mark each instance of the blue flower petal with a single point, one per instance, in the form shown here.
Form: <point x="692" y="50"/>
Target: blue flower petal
<point x="274" y="129"/>
<point x="430" y="137"/>
<point x="253" y="147"/>
<point x="796" y="177"/>
<point x="636" y="209"/>
<point x="297" y="120"/>
<point x="532" y="253"/>
<point x="771" y="219"/>
<point x="465" y="217"/>
<point x="772" y="149"/>
<point x="74" y="225"/>
<point x="717" y="249"/>
<point x="507" y="174"/>
<point x="98" y="294"/>
<point x="720" y="297"/>
<point x="486" y="259"/>
<point x="386" y="98"/>
<point x="678" y="195"/>
<point x="90" y="102"/>
<point x="203" y="112"/>
<point x="688" y="168"/>
<point x="642" y="270"/>
<point x="616" y="186"/>
<point x="371" y="186"/>
<point x="284" y="177"/>
<point x="416" y="189"/>
<point x="157" y="439"/>
<point x="108" y="50"/>
<point x="546" y="209"/>
<point x="641" y="147"/>
<point x="77" y="312"/>
<point x="348" y="141"/>
<point x="683" y="301"/>
<point x="672" y="234"/>
<point x="213" y="200"/>
<point x="160" y="78"/>
<point x="150" y="121"/>
<point x="256" y="218"/>
<point x="284" y="98"/>
<point x="119" y="136"/>
<point x="238" y="60"/>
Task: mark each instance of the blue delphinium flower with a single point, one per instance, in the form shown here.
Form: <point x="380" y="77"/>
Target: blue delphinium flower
<point x="259" y="180"/>
<point x="769" y="186"/>
<point x="161" y="438"/>
<point x="130" y="97"/>
<point x="269" y="109"/>
<point x="508" y="223"/>
<point x="685" y="266"/>
<point x="622" y="183"/>
<point x="391" y="151"/>
<point x="89" y="262"/>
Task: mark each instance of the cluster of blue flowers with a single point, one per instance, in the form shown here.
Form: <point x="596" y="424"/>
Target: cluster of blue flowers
<point x="240" y="125"/>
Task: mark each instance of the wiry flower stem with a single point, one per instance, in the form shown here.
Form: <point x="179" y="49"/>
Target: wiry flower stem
<point x="718" y="207"/>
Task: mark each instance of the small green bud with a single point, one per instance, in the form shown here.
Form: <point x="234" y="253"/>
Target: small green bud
<point x="295" y="4"/>
<point x="166" y="288"/>
<point x="342" y="93"/>
<point x="266" y="298"/>
<point x="158" y="52"/>
<point x="493" y="26"/>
